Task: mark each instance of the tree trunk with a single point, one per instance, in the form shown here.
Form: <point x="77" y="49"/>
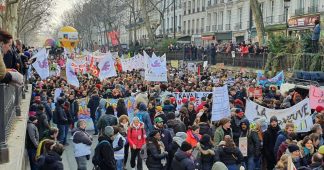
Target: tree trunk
<point x="147" y="22"/>
<point x="257" y="14"/>
<point x="11" y="18"/>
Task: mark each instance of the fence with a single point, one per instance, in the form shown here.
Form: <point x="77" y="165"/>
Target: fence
<point x="10" y="99"/>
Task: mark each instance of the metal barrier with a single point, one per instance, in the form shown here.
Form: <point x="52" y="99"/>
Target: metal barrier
<point x="10" y="99"/>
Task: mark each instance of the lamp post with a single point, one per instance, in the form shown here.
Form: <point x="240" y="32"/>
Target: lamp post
<point x="286" y="5"/>
<point x="174" y="19"/>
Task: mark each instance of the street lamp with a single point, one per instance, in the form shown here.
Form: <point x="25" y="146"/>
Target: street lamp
<point x="286" y="5"/>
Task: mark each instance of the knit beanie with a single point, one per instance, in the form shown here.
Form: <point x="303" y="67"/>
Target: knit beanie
<point x="292" y="148"/>
<point x="183" y="135"/>
<point x="185" y="146"/>
<point x="109" y="131"/>
<point x="273" y="118"/>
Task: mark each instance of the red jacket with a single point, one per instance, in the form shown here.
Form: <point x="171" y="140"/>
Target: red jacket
<point x="191" y="139"/>
<point x="136" y="136"/>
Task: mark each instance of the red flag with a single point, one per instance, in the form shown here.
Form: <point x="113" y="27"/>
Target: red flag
<point x="114" y="38"/>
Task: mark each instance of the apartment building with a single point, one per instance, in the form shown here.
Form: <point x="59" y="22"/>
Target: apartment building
<point x="194" y="19"/>
<point x="172" y="18"/>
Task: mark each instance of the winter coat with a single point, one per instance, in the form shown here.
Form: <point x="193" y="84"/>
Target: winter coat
<point x="176" y="125"/>
<point x="106" y="120"/>
<point x="282" y="150"/>
<point x="307" y="158"/>
<point x="93" y="104"/>
<point x="182" y="161"/>
<point x="191" y="138"/>
<point x="166" y="138"/>
<point x="316" y="32"/>
<point x="42" y="124"/>
<point x="174" y="147"/>
<point x="136" y="136"/>
<point x="59" y="117"/>
<point x="82" y="143"/>
<point x="219" y="135"/>
<point x="53" y="161"/>
<point x="281" y="138"/>
<point x="106" y="152"/>
<point x="118" y="146"/>
<point x="154" y="156"/>
<point x="145" y="118"/>
<point x="32" y="138"/>
<point x="269" y="141"/>
<point x="204" y="128"/>
<point x="200" y="106"/>
<point x="192" y="116"/>
<point x="254" y="144"/>
<point x="207" y="156"/>
<point x="230" y="156"/>
<point x="236" y="129"/>
<point x="168" y="108"/>
<point x="74" y="109"/>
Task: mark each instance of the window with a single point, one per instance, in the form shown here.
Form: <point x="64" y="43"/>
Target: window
<point x="197" y="26"/>
<point x="272" y="8"/>
<point x="208" y="18"/>
<point x="202" y="23"/>
<point x="176" y="20"/>
<point x="193" y="6"/>
<point x="229" y="15"/>
<point x="215" y="18"/>
<point x="185" y="8"/>
<point x="189" y="26"/>
<point x="179" y="20"/>
<point x="314" y="3"/>
<point x="184" y="27"/>
<point x="198" y="5"/>
<point x="221" y="17"/>
<point x="193" y="25"/>
<point x="262" y="8"/>
<point x="300" y="4"/>
<point x="168" y="24"/>
<point x="240" y="12"/>
<point x="172" y="22"/>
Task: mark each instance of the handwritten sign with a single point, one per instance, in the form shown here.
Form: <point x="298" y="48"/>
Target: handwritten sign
<point x="299" y="114"/>
<point x="243" y="145"/>
<point x="255" y="92"/>
<point x="221" y="107"/>
<point x="316" y="96"/>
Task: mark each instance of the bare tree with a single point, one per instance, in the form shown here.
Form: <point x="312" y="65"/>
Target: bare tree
<point x="257" y="14"/>
<point x="9" y="17"/>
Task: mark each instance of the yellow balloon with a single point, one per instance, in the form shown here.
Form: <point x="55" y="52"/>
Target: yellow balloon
<point x="68" y="37"/>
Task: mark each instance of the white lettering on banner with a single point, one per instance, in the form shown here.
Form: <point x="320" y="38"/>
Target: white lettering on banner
<point x="221" y="107"/>
<point x="299" y="114"/>
<point x="196" y="95"/>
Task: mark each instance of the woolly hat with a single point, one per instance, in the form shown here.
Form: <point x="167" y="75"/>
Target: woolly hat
<point x="184" y="100"/>
<point x="158" y="120"/>
<point x="219" y="166"/>
<point x="185" y="146"/>
<point x="109" y="131"/>
<point x="158" y="108"/>
<point x="153" y="133"/>
<point x="32" y="118"/>
<point x="292" y="148"/>
<point x="319" y="109"/>
<point x="142" y="107"/>
<point x="273" y="118"/>
<point x="181" y="135"/>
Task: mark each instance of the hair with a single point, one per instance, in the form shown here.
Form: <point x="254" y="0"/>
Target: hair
<point x="58" y="148"/>
<point x="317" y="158"/>
<point x="315" y="127"/>
<point x="110" y="110"/>
<point x="321" y="119"/>
<point x="121" y="107"/>
<point x="317" y="21"/>
<point x="53" y="130"/>
<point x="171" y="116"/>
<point x="223" y="121"/>
<point x="46" y="146"/>
<point x="314" y="137"/>
<point x="283" y="162"/>
<point x="229" y="142"/>
<point x="193" y="127"/>
<point x="116" y="129"/>
<point x="81" y="121"/>
<point x="289" y="125"/>
<point x="5" y="37"/>
<point x="41" y="107"/>
<point x="305" y="140"/>
<point x="167" y="102"/>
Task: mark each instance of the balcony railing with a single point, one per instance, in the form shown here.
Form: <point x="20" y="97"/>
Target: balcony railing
<point x="220" y="27"/>
<point x="10" y="99"/>
<point x="312" y="9"/>
<point x="214" y="27"/>
<point x="207" y="28"/>
<point x="269" y="20"/>
<point x="300" y="11"/>
<point x="228" y="27"/>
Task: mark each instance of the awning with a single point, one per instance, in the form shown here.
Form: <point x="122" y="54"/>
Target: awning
<point x="207" y="38"/>
<point x="224" y="36"/>
<point x="184" y="38"/>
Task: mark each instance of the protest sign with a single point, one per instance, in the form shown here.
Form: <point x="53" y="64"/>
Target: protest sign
<point x="156" y="69"/>
<point x="57" y="93"/>
<point x="196" y="95"/>
<point x="299" y="114"/>
<point x="84" y="112"/>
<point x="285" y="87"/>
<point x="192" y="67"/>
<point x="220" y="65"/>
<point x="221" y="107"/>
<point x="316" y="97"/>
<point x="107" y="67"/>
<point x="70" y="74"/>
<point x="175" y="63"/>
<point x="243" y="144"/>
<point x="255" y="92"/>
<point x="205" y="64"/>
<point x="41" y="64"/>
<point x="276" y="80"/>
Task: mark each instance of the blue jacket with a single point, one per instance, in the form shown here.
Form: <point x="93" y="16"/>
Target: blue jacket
<point x="145" y="118"/>
<point x="281" y="138"/>
<point x="316" y="33"/>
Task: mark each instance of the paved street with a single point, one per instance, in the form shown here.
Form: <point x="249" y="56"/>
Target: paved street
<point x="69" y="160"/>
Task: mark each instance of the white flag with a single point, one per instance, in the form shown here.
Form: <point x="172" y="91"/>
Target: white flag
<point x="107" y="67"/>
<point x="41" y="64"/>
<point x="40" y="53"/>
<point x="70" y="74"/>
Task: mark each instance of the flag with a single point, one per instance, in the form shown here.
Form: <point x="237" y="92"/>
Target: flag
<point x="40" y="53"/>
<point x="70" y="74"/>
<point x="41" y="64"/>
<point x="107" y="67"/>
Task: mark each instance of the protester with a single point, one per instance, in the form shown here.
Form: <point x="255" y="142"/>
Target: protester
<point x="222" y="130"/>
<point x="32" y="141"/>
<point x="121" y="108"/>
<point x="144" y="117"/>
<point x="53" y="160"/>
<point x="289" y="130"/>
<point x="306" y="148"/>
<point x="60" y="118"/>
<point x="177" y="140"/>
<point x="93" y="105"/>
<point x="42" y="124"/>
<point x="156" y="152"/>
<point x="230" y="155"/>
<point x="74" y="109"/>
<point x="193" y="135"/>
<point x="108" y="119"/>
<point x="118" y="146"/>
<point x="207" y="153"/>
<point x="182" y="160"/>
<point x="82" y="144"/>
<point x="315" y="36"/>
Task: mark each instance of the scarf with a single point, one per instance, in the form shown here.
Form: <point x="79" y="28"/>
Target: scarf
<point x="306" y="151"/>
<point x="125" y="125"/>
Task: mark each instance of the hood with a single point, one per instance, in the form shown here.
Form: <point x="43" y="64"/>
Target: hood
<point x="180" y="155"/>
<point x="178" y="140"/>
<point x="101" y="138"/>
<point x="52" y="157"/>
<point x="274" y="130"/>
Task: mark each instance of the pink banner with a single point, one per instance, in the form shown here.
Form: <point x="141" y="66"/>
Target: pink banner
<point x="316" y="96"/>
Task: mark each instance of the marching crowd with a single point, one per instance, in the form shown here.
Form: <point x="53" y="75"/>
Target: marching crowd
<point x="157" y="133"/>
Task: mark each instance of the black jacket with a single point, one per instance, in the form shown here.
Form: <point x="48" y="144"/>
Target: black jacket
<point x="176" y="125"/>
<point x="74" y="109"/>
<point x="182" y="161"/>
<point x="230" y="156"/>
<point x="93" y="104"/>
<point x="53" y="161"/>
<point x="236" y="129"/>
<point x="106" y="153"/>
<point x="269" y="141"/>
<point x="192" y="116"/>
<point x="254" y="144"/>
<point x="154" y="156"/>
<point x="166" y="138"/>
<point x="59" y="116"/>
<point x="42" y="124"/>
<point x="204" y="128"/>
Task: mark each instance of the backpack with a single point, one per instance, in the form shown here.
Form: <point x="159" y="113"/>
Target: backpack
<point x="143" y="152"/>
<point x="96" y="159"/>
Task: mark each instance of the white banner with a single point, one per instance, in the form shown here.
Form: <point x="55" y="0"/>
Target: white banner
<point x="70" y="74"/>
<point x="299" y="114"/>
<point x="156" y="69"/>
<point x="41" y="64"/>
<point x="221" y="107"/>
<point x="196" y="95"/>
<point x="107" y="67"/>
<point x="136" y="62"/>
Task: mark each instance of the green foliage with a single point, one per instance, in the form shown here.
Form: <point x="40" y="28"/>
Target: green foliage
<point x="163" y="44"/>
<point x="298" y="65"/>
<point x="315" y="62"/>
<point x="283" y="44"/>
<point x="306" y="42"/>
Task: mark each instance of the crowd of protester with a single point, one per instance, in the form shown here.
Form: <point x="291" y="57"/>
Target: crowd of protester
<point x="160" y="135"/>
